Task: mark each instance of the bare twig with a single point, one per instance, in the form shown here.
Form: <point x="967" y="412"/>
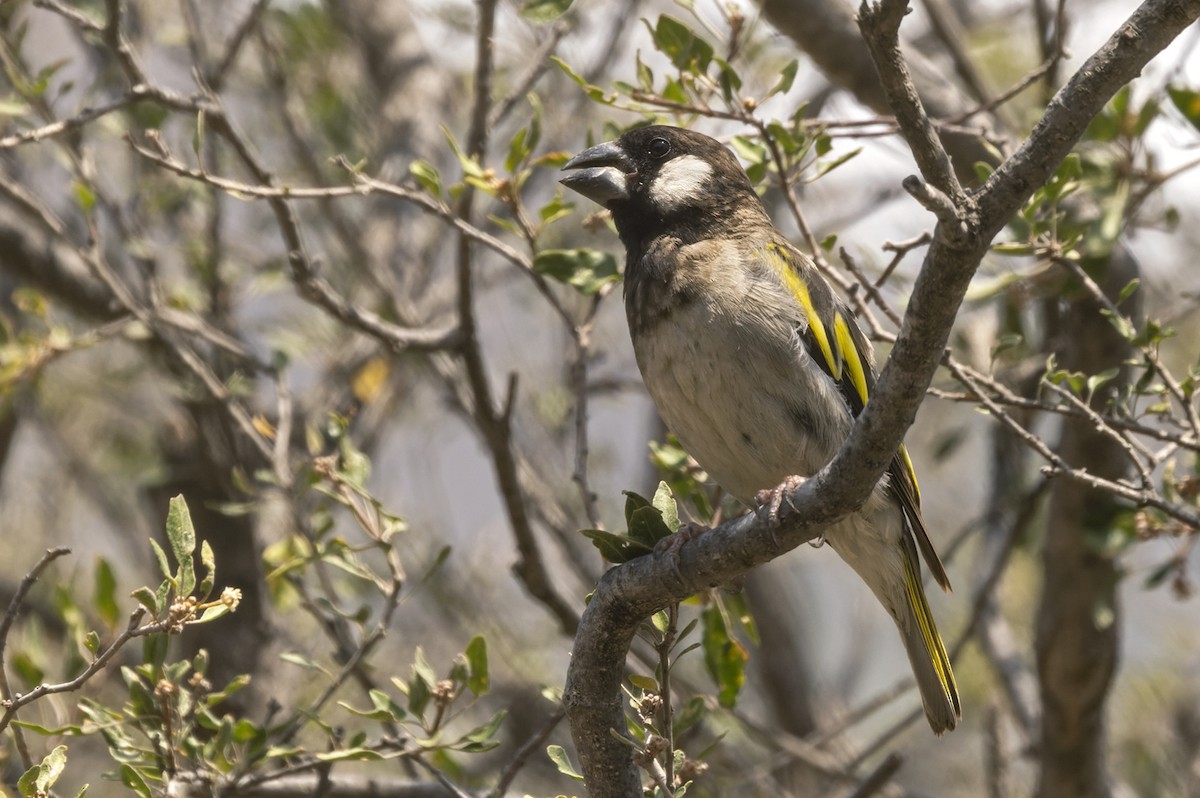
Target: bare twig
<point x="521" y="756"/>
<point x="10" y="615"/>
<point x="879" y="777"/>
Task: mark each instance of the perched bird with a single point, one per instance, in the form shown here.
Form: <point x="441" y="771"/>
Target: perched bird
<point x="754" y="363"/>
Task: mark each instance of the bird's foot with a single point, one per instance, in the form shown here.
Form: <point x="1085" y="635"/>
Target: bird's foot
<point x="673" y="544"/>
<point x="771" y="501"/>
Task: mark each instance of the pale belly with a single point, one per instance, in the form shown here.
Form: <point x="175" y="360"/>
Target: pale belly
<point x="750" y="411"/>
<point x="753" y="416"/>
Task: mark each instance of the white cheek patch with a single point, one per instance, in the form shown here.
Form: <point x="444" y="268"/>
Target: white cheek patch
<point x="679" y="182"/>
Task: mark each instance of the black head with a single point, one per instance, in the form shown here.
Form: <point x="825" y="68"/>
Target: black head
<point x="660" y="177"/>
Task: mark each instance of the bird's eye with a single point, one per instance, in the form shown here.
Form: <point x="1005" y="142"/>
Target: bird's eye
<point x="659" y="148"/>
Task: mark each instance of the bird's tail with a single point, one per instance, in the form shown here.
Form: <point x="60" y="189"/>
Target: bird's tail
<point x="926" y="651"/>
<point x="882" y="551"/>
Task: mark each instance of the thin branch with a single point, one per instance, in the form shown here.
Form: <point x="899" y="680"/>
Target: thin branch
<point x="132" y="631"/>
<point x="880" y="25"/>
<point x="216" y="77"/>
<point x="521" y="756"/>
<point x="339" y="786"/>
<point x="10" y="615"/>
<point x="69" y="124"/>
<point x="879" y="777"/>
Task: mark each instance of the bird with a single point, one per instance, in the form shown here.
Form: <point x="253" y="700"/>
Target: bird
<point x="756" y="364"/>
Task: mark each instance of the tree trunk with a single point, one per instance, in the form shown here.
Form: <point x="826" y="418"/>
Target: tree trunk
<point x="1078" y="620"/>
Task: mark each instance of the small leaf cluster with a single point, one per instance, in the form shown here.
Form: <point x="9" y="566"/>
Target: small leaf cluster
<point x="171" y="723"/>
<point x="648" y="522"/>
<point x="429" y="702"/>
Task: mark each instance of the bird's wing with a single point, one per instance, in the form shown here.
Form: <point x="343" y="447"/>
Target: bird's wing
<point x="835" y="342"/>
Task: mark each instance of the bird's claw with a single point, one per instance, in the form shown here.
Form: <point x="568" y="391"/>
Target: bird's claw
<point x="772" y="500"/>
<point x="673" y="544"/>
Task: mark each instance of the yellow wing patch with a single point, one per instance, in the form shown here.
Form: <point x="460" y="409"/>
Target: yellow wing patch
<point x="849" y="353"/>
<point x="795" y="284"/>
<point x="912" y="472"/>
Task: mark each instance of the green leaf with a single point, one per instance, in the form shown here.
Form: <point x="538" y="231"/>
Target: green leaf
<point x="1120" y="323"/>
<point x="647" y="526"/>
<point x="470" y="166"/>
<point x="587" y="270"/>
<point x="786" y="78"/>
<point x="737" y="608"/>
<point x="52" y="767"/>
<point x="427" y="177"/>
<point x="687" y="51"/>
<point x="145" y="596"/>
<point x="664" y="502"/>
<point x="134" y="781"/>
<point x="730" y="80"/>
<point x="1128" y="290"/>
<point x="554" y="210"/>
<point x="1187" y="102"/>
<point x="645" y="75"/>
<point x="27" y="784"/>
<point x="39" y="779"/>
<point x="1096" y="380"/>
<point x="616" y="548"/>
<point x="673" y="90"/>
<point x="161" y="557"/>
<point x="84" y="196"/>
<point x="1147" y="114"/>
<point x="542" y="11"/>
<point x="825" y="167"/>
<point x="518" y="150"/>
<point x="1005" y="342"/>
<point x="182" y="536"/>
<point x="209" y="561"/>
<point x="381" y="715"/>
<point x="57" y="731"/>
<point x="154" y="649"/>
<point x="633" y="503"/>
<point x="724" y="657"/>
<point x="478" y="680"/>
<point x="481" y="735"/>
<point x="104" y="596"/>
<point x="558" y="755"/>
<point x="383" y="702"/>
<point x="295" y="658"/>
<point x="420" y="686"/>
<point x="1019" y="248"/>
<point x="593" y="92"/>
<point x="643" y="682"/>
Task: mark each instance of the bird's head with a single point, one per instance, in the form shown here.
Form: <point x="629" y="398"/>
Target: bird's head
<point x="661" y="175"/>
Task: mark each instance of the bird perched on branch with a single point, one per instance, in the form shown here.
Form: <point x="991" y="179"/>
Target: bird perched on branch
<point x="755" y="364"/>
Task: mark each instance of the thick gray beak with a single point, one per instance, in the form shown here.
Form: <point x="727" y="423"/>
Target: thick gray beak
<point x="603" y="173"/>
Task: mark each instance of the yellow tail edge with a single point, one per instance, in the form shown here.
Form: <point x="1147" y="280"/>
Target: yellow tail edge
<point x="933" y="641"/>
